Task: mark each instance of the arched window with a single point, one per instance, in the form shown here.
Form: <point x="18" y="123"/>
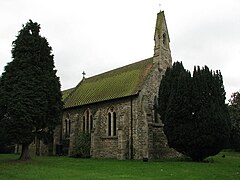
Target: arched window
<point x="67" y="126"/>
<point x="87" y="121"/>
<point x="112" y="123"/>
<point x="109" y="124"/>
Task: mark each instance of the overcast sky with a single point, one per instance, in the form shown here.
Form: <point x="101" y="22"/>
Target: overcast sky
<point x="98" y="35"/>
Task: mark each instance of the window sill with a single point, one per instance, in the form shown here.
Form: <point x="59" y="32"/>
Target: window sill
<point x="109" y="137"/>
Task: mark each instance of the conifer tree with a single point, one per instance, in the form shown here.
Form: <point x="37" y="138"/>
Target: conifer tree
<point x="234" y="111"/>
<point x="196" y="119"/>
<point x="168" y="83"/>
<point x="30" y="96"/>
<point x="210" y="114"/>
<point x="178" y="120"/>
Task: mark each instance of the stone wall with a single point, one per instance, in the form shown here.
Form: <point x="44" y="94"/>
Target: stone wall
<point x="102" y="145"/>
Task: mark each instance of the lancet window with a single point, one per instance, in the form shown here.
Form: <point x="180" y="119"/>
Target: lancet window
<point x="67" y="126"/>
<point x="112" y="123"/>
<point x="87" y="121"/>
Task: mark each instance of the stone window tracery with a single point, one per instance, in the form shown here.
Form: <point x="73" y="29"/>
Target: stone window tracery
<point x="112" y="123"/>
<point x="87" y="121"/>
<point x="67" y="126"/>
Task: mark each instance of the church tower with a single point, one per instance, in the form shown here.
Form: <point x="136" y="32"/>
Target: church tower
<point x="162" y="52"/>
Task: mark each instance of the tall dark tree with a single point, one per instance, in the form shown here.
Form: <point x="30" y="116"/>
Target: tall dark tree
<point x="210" y="114"/>
<point x="30" y="96"/>
<point x="168" y="82"/>
<point x="234" y="111"/>
<point x="196" y="119"/>
<point x="178" y="118"/>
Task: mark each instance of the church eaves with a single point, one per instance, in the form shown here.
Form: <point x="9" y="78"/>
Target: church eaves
<point x="122" y="82"/>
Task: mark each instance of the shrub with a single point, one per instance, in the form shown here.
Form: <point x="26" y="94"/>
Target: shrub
<point x="83" y="145"/>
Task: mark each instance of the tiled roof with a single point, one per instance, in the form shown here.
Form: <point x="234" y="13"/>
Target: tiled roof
<point x="121" y="82"/>
<point x="66" y="93"/>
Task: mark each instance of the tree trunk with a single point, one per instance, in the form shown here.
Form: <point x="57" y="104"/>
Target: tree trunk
<point x="25" y="155"/>
<point x="37" y="146"/>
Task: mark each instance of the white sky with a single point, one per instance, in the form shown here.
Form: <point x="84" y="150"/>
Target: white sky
<point x="98" y="35"/>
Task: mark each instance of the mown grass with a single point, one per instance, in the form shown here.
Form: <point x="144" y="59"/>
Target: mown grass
<point x="70" y="168"/>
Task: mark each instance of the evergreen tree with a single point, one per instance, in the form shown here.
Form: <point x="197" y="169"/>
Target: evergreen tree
<point x="178" y="122"/>
<point x="234" y="111"/>
<point x="210" y="114"/>
<point x="196" y="119"/>
<point x="168" y="82"/>
<point x="30" y="96"/>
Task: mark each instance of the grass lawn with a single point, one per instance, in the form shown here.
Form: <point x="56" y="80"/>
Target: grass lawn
<point x="70" y="168"/>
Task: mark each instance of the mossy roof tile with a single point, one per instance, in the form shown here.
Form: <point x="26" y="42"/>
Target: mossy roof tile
<point x="121" y="82"/>
<point x="66" y="93"/>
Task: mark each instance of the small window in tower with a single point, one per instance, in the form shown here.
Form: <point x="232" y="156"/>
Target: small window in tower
<point x="164" y="39"/>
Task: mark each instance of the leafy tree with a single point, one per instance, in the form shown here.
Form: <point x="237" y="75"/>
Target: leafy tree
<point x="196" y="120"/>
<point x="234" y="111"/>
<point x="30" y="96"/>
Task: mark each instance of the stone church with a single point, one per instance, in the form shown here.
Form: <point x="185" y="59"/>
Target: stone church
<point x="118" y="107"/>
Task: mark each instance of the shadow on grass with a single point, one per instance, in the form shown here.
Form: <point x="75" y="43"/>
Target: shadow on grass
<point x="184" y="159"/>
<point x="13" y="159"/>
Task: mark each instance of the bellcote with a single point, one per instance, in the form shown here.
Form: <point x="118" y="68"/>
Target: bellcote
<point x="162" y="52"/>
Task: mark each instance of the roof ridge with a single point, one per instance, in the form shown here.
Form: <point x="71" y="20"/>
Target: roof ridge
<point x="125" y="66"/>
